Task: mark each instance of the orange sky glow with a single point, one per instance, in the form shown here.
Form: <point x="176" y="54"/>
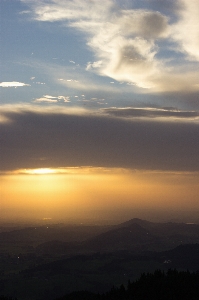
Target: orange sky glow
<point x="78" y="193"/>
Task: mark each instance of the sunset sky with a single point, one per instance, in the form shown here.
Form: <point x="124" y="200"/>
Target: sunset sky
<point x="99" y="109"/>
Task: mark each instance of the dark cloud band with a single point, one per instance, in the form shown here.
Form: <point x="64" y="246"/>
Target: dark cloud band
<point x="35" y="140"/>
<point x="151" y="113"/>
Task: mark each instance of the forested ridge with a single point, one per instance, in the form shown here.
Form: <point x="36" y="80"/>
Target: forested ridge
<point x="172" y="285"/>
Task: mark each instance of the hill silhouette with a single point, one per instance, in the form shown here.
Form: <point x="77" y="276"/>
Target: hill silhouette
<point x="134" y="235"/>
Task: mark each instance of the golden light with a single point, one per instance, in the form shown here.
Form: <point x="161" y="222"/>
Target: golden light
<point x="86" y="191"/>
<point x="41" y="171"/>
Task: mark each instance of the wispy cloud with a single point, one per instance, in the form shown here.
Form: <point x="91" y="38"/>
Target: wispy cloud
<point x="74" y="79"/>
<point x="127" y="42"/>
<point x="43" y="99"/>
<point x="9" y="109"/>
<point x="13" y="84"/>
<point x="155" y="113"/>
<point x="52" y="99"/>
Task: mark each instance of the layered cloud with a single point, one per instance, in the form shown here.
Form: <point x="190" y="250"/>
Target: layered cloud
<point x="134" y="44"/>
<point x="51" y="137"/>
<point x="167" y="113"/>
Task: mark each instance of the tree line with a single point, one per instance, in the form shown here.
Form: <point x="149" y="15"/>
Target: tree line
<point x="170" y="285"/>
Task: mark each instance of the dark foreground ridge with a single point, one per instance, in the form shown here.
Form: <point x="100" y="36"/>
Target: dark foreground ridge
<point x="172" y="285"/>
<point x="7" y="298"/>
<point x="157" y="286"/>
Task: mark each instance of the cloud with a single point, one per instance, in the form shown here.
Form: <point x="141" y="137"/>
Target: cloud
<point x="74" y="79"/>
<point x="13" y="84"/>
<point x="64" y="98"/>
<point x="165" y="113"/>
<point x="45" y="100"/>
<point x="52" y="99"/>
<point x="58" y="10"/>
<point x="145" y="24"/>
<point x="9" y="109"/>
<point x="38" y="82"/>
<point x="76" y="137"/>
<point x="127" y="39"/>
<point x="186" y="30"/>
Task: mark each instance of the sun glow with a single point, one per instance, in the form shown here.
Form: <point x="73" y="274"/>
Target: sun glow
<point x="41" y="171"/>
<point x="85" y="191"/>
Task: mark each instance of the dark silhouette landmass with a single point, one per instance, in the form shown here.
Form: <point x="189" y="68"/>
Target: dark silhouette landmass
<point x="7" y="298"/>
<point x="51" y="261"/>
<point x="172" y="285"/>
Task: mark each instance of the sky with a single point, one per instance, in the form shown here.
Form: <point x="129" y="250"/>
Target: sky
<point x="99" y="109"/>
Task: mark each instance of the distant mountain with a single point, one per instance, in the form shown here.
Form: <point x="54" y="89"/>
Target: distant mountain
<point x="142" y="223"/>
<point x="134" y="235"/>
<point x="130" y="237"/>
<point x="141" y="235"/>
<point x="26" y="239"/>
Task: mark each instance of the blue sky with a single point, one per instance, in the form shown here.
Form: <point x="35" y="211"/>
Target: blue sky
<point x="114" y="53"/>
